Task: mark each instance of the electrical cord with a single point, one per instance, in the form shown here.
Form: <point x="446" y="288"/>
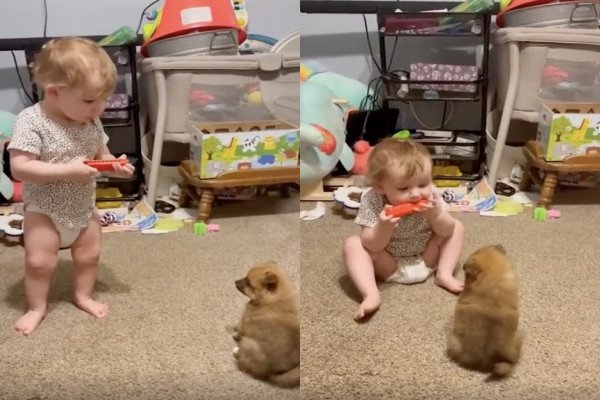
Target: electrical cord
<point x="45" y="17"/>
<point x="21" y="79"/>
<point x="369" y="44"/>
<point x="444" y="120"/>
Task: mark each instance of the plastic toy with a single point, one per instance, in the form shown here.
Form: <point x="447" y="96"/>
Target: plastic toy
<point x="553" y="213"/>
<point x="347" y="199"/>
<point x="213" y="228"/>
<point x="403" y="134"/>
<point x="404" y="209"/>
<point x="540" y="214"/>
<point x="106" y="165"/>
<point x="11" y="228"/>
<point x="200" y="228"/>
<point x="181" y="17"/>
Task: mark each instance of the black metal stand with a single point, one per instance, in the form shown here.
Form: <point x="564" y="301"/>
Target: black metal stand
<point x="400" y="87"/>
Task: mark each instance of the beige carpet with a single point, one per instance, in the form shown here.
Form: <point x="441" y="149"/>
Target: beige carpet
<point x="399" y="353"/>
<point x="171" y="298"/>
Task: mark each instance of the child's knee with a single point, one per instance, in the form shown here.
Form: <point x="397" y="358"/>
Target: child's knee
<point x="352" y="244"/>
<point x="459" y="229"/>
<point x="41" y="262"/>
<point x="89" y="255"/>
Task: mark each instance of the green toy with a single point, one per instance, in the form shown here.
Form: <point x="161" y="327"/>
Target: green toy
<point x="540" y="214"/>
<point x="403" y="134"/>
<point x="200" y="228"/>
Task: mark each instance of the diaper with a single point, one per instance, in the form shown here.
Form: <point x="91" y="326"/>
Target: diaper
<point x="408" y="274"/>
<point x="67" y="235"/>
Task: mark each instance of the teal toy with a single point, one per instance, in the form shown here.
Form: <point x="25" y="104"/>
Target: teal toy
<point x="326" y="98"/>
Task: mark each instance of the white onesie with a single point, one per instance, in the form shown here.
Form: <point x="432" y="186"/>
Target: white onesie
<point x="69" y="204"/>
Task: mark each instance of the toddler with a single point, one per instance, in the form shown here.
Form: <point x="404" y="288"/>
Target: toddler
<point x="407" y="249"/>
<point x="50" y="140"/>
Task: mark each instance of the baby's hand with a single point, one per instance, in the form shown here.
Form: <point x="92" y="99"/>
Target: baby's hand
<point x="388" y="219"/>
<point x="432" y="207"/>
<point x="123" y="171"/>
<point x="77" y="171"/>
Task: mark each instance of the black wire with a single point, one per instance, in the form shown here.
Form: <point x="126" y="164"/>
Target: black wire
<point x="21" y="79"/>
<point x="369" y="43"/>
<point x="142" y="15"/>
<point x="444" y="116"/>
<point x="45" y="17"/>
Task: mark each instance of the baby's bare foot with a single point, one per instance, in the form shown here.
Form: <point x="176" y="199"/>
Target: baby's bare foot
<point x="92" y="307"/>
<point x="369" y="305"/>
<point x="29" y="321"/>
<point x="449" y="283"/>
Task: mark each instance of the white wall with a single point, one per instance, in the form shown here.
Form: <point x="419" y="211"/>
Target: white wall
<point x="20" y="19"/>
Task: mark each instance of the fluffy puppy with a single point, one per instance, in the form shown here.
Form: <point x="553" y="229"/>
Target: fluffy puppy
<point x="485" y="334"/>
<point x="268" y="334"/>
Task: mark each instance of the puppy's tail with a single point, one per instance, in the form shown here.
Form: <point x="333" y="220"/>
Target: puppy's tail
<point x="502" y="369"/>
<point x="289" y="378"/>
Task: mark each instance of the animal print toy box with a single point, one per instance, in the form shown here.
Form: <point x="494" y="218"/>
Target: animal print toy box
<point x="223" y="147"/>
<point x="566" y="129"/>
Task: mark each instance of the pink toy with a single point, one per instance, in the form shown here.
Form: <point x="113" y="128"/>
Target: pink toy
<point x="553" y="213"/>
<point x="362" y="149"/>
<point x="214" y="227"/>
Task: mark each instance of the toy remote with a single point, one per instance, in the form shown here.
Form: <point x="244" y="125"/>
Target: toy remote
<point x="404" y="209"/>
<point x="106" y="165"/>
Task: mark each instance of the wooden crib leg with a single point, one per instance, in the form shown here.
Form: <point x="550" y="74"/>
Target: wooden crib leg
<point x="548" y="188"/>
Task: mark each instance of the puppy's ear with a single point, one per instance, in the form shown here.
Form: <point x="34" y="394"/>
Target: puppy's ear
<point x="500" y="248"/>
<point x="271" y="281"/>
<point x="472" y="268"/>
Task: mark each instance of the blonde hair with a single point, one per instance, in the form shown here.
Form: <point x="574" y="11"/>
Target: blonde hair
<point x="393" y="153"/>
<point x="70" y="62"/>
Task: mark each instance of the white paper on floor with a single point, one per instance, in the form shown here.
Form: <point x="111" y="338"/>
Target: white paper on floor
<point x="184" y="213"/>
<point x="315" y="213"/>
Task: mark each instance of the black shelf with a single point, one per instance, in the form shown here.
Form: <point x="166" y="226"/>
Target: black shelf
<point x="375" y="6"/>
<point x="431" y="24"/>
<point x="475" y="27"/>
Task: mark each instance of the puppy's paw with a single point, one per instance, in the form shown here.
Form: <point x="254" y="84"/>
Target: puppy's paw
<point x="236" y="352"/>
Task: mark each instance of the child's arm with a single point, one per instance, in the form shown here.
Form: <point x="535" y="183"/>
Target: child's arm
<point x="27" y="167"/>
<point x="440" y="220"/>
<point x="377" y="237"/>
<point x="442" y="223"/>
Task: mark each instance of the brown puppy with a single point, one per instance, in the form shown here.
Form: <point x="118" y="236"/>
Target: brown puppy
<point x="485" y="334"/>
<point x="268" y="335"/>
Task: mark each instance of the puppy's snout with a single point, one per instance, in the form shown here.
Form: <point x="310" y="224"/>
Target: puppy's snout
<point x="240" y="284"/>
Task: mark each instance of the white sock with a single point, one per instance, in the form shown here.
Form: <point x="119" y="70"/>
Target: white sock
<point x="409" y="274"/>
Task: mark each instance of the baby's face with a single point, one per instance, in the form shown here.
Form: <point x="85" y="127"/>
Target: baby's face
<point x="81" y="105"/>
<point x="398" y="188"/>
